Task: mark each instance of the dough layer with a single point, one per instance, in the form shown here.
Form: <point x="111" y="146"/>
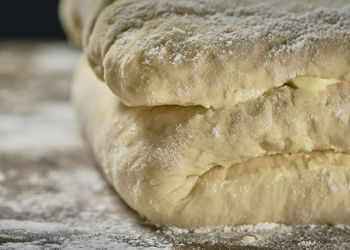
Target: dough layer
<point x="282" y="157"/>
<point x="213" y="53"/>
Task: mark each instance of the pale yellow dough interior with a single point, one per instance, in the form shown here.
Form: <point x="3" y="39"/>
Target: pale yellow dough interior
<point x="314" y="84"/>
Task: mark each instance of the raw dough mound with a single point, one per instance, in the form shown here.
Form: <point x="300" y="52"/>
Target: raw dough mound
<point x="226" y="112"/>
<point x="282" y="157"/>
<point x="213" y="53"/>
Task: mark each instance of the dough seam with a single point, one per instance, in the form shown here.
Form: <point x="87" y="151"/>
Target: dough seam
<point x="218" y="166"/>
<point x="273" y="155"/>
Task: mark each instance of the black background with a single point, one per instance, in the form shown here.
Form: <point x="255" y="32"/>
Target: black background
<point x="30" y="20"/>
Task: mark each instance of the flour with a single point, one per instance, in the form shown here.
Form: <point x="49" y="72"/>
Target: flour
<point x="48" y="126"/>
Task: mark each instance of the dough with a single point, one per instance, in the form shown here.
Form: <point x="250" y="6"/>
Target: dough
<point x="214" y="53"/>
<point x="78" y="17"/>
<point x="70" y="20"/>
<point x="282" y="157"/>
<point x="223" y="112"/>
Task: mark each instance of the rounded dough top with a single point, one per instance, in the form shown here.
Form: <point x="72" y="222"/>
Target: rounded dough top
<point x="215" y="53"/>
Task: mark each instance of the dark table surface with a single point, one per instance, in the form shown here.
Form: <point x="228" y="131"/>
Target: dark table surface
<point x="52" y="196"/>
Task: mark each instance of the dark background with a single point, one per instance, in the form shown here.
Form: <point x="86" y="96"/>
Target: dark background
<point x="30" y="20"/>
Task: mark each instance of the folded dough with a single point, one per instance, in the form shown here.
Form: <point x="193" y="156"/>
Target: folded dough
<point x="213" y="53"/>
<point x="282" y="157"/>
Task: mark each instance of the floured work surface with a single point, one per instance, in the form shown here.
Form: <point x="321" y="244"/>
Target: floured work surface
<point x="52" y="195"/>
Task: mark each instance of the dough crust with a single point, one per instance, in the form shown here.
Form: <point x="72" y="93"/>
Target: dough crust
<point x="282" y="157"/>
<point x="213" y="53"/>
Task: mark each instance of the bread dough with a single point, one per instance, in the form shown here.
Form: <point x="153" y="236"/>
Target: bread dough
<point x="78" y="17"/>
<point x="215" y="53"/>
<point x="70" y="20"/>
<point x="283" y="157"/>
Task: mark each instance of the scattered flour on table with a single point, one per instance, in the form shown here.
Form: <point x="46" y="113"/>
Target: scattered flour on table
<point x="50" y="126"/>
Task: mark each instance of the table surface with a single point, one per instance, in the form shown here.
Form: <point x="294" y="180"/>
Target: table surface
<point x="52" y="196"/>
